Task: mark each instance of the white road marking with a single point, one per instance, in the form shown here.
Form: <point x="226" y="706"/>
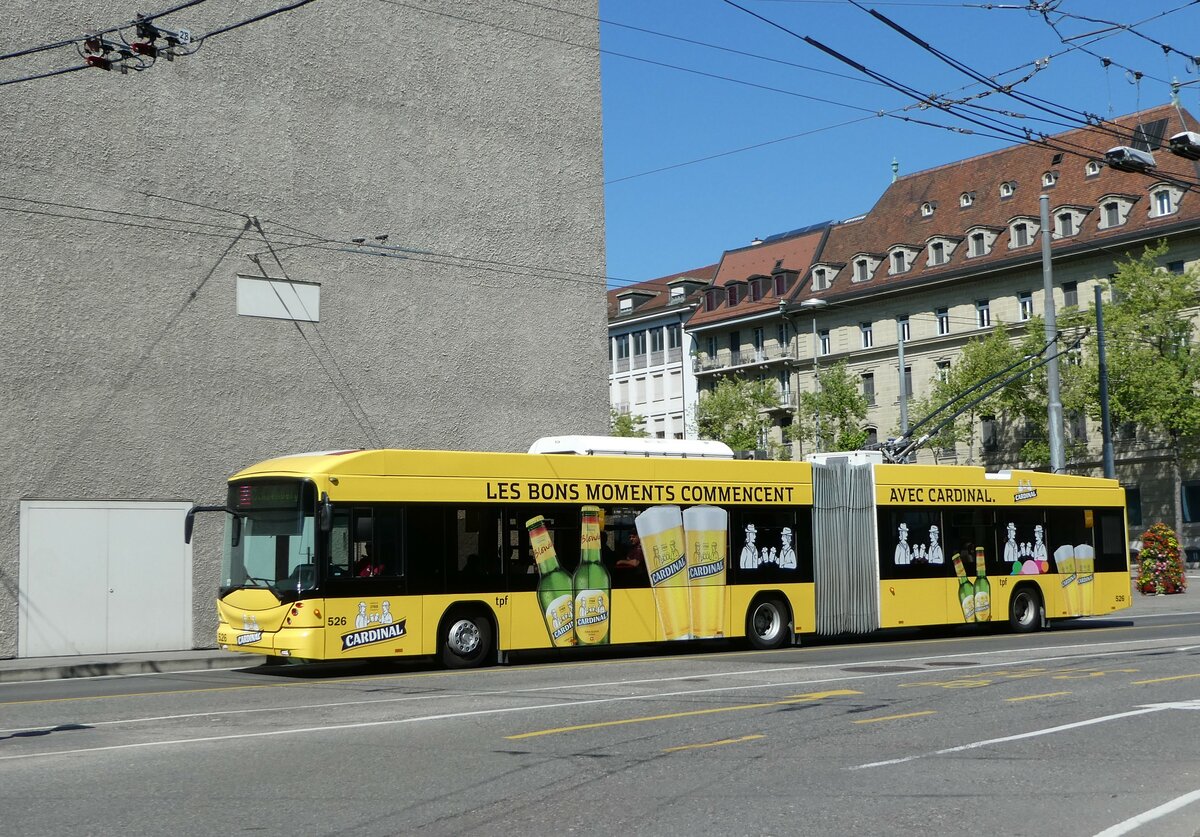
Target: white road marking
<point x="1151" y="815"/>
<point x="618" y="699"/>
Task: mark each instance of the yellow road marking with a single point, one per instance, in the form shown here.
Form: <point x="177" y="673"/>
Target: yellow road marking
<point x="689" y="714"/>
<point x="895" y="717"/>
<point x="1165" y="679"/>
<point x="714" y="743"/>
<point x="1037" y="697"/>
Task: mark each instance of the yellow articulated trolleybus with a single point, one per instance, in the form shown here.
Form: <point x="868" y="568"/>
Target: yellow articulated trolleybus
<point x="468" y="556"/>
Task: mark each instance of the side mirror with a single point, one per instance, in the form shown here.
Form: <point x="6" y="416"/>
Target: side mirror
<point x="189" y="522"/>
<point x="325" y="513"/>
<point x="236" y="535"/>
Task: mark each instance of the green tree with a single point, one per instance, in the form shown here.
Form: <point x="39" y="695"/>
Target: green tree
<point x="627" y="424"/>
<point x="733" y="411"/>
<point x="1153" y="364"/>
<point x="1010" y="407"/>
<point x="831" y="418"/>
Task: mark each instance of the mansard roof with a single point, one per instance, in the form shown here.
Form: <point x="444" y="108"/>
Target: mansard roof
<point x="897" y="216"/>
<point x="655" y="294"/>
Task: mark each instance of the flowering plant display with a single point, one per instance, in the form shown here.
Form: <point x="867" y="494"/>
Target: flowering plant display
<point x="1161" y="562"/>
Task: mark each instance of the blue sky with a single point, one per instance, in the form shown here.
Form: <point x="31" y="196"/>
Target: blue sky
<point x="659" y="116"/>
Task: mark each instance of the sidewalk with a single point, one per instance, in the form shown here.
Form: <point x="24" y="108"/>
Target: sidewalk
<point x="99" y="665"/>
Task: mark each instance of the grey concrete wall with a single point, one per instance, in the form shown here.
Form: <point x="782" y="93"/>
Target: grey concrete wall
<point x="128" y="374"/>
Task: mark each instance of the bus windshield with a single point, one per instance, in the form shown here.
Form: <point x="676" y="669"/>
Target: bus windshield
<point x="271" y="542"/>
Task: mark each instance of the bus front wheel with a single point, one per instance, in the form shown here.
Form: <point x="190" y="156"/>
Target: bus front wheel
<point x="766" y="624"/>
<point x="1024" y="610"/>
<point x="466" y="639"/>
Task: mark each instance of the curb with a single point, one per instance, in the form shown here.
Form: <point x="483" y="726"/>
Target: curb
<point x="65" y="670"/>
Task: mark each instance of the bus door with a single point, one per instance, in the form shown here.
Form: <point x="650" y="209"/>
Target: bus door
<point x="845" y="564"/>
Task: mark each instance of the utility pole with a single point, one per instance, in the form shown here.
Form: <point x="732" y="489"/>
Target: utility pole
<point x="1110" y="469"/>
<point x="903" y="384"/>
<point x="1058" y="462"/>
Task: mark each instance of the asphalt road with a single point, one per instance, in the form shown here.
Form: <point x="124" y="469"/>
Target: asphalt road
<point x="1087" y="729"/>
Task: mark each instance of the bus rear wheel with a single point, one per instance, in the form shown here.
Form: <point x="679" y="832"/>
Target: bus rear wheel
<point x="766" y="624"/>
<point x="1024" y="610"/>
<point x="466" y="639"/>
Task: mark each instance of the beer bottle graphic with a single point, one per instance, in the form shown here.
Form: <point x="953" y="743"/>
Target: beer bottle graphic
<point x="554" y="586"/>
<point x="966" y="592"/>
<point x="706" y="529"/>
<point x="592" y="585"/>
<point x="983" y="589"/>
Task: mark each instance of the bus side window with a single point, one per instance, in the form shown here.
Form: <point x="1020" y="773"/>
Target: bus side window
<point x="339" y="544"/>
<point x="425" y="548"/>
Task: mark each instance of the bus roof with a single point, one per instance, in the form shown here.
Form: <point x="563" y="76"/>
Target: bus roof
<point x="631" y="446"/>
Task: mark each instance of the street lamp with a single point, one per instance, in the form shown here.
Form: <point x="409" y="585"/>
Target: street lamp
<point x="814" y="304"/>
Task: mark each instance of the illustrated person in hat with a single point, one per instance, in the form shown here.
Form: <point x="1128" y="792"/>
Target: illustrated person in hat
<point x="787" y="555"/>
<point x="750" y="557"/>
<point x="903" y="552"/>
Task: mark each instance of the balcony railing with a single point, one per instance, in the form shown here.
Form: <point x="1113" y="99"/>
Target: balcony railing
<point x="708" y="363"/>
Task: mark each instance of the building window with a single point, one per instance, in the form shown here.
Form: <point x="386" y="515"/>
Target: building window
<point x="756" y="289"/>
<point x="1175" y="267"/>
<point x="1070" y="294"/>
<point x="1112" y="214"/>
<point x="710" y="299"/>
<point x="1133" y="505"/>
<point x="988" y="436"/>
<point x="1025" y="298"/>
<point x="712" y="347"/>
<point x="978" y="244"/>
<point x="983" y="313"/>
<point x="1191" y="502"/>
<point x="898" y="262"/>
<point x="1091" y="169"/>
<point x="1163" y="205"/>
<point x="1007" y="189"/>
<point x="656" y="340"/>
<point x="926" y="209"/>
<point x="905" y="331"/>
<point x="1077" y="422"/>
<point x="943" y="370"/>
<point x="1049" y="179"/>
<point x="760" y="340"/>
<point x="868" y="337"/>
<point x="732" y="294"/>
<point x="735" y="342"/>
<point x="937" y="253"/>
<point x="966" y="199"/>
<point x="862" y="270"/>
<point x="943" y="320"/>
<point x="823" y="339"/>
<point x="1020" y="235"/>
<point x="1066" y="225"/>
<point x="780" y="284"/>
<point x="868" y="391"/>
<point x="623" y="346"/>
<point x="639" y="343"/>
<point x="820" y="279"/>
<point x="674" y="336"/>
<point x="677" y="294"/>
<point x="625" y="306"/>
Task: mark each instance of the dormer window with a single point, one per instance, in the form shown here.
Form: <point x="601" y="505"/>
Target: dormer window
<point x="1164" y="199"/>
<point x="711" y="299"/>
<point x="1007" y="188"/>
<point x="937" y="253"/>
<point x="625" y="306"/>
<point x="731" y="295"/>
<point x="901" y="258"/>
<point x="864" y="267"/>
<point x="1066" y="224"/>
<point x="677" y="294"/>
<point x="1068" y="220"/>
<point x="1022" y="231"/>
<point x="1114" y="211"/>
<point x="1091" y="169"/>
<point x="1049" y="179"/>
<point x="966" y="199"/>
<point x="980" y="241"/>
<point x="757" y="289"/>
<point x="939" y="250"/>
<point x="927" y="210"/>
<point x="820" y="279"/>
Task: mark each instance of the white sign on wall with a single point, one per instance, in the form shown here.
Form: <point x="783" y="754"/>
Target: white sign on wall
<point x="279" y="299"/>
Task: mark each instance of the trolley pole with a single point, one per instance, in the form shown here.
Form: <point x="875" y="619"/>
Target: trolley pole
<point x="1058" y="462"/>
<point x="1110" y="469"/>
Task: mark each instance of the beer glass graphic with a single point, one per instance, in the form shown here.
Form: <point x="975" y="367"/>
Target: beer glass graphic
<point x="1085" y="562"/>
<point x="706" y="529"/>
<point x="663" y="545"/>
<point x="1064" y="559"/>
